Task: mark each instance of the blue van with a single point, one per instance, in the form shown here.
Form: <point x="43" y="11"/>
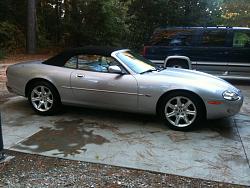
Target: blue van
<point x="221" y="51"/>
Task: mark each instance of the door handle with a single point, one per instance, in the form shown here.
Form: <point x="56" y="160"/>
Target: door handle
<point x="80" y="75"/>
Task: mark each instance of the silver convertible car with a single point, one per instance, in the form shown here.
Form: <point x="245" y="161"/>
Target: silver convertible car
<point x="120" y="79"/>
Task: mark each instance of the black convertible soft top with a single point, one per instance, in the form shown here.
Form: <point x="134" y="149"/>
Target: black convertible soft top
<point x="61" y="58"/>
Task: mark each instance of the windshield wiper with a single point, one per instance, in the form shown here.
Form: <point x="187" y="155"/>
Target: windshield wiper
<point x="159" y="69"/>
<point x="149" y="70"/>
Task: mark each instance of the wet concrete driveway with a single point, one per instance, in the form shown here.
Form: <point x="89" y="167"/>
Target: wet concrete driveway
<point x="218" y="150"/>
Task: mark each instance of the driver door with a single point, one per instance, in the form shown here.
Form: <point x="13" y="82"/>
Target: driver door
<point x="93" y="85"/>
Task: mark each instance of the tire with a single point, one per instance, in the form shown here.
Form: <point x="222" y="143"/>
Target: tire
<point x="178" y="63"/>
<point x="44" y="98"/>
<point x="182" y="111"/>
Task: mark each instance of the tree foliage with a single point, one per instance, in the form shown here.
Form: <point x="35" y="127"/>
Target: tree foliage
<point x="77" y="22"/>
<point x="145" y="16"/>
<point x="12" y="24"/>
<point x="128" y="23"/>
<point x="11" y="36"/>
<point x="236" y="13"/>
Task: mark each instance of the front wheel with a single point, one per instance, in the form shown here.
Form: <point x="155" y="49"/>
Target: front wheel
<point x="182" y="111"/>
<point x="44" y="98"/>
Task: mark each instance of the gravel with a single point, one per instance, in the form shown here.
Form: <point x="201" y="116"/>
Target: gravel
<point x="27" y="170"/>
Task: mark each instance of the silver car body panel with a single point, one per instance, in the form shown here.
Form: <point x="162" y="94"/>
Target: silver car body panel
<point x="130" y="92"/>
<point x="105" y="89"/>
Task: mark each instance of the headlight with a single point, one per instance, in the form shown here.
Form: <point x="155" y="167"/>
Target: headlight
<point x="230" y="95"/>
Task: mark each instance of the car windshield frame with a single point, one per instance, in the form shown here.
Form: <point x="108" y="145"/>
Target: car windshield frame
<point x="135" y="62"/>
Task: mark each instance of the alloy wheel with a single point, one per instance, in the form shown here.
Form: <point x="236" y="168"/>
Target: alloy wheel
<point x="180" y="111"/>
<point x="42" y="98"/>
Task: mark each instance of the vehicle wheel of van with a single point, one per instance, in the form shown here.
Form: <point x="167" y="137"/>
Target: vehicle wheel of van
<point x="178" y="63"/>
<point x="181" y="111"/>
<point x="44" y="98"/>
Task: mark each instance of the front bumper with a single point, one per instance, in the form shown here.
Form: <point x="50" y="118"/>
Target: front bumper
<point x="225" y="109"/>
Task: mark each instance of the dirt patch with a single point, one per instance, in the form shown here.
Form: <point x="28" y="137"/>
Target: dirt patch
<point x="21" y="57"/>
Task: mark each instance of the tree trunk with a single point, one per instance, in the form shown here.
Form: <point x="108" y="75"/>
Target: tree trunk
<point x="31" y="27"/>
<point x="58" y="15"/>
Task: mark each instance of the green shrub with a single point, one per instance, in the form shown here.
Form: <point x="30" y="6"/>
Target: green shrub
<point x="2" y="54"/>
<point x="11" y="37"/>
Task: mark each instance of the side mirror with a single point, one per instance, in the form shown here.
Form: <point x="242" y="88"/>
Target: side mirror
<point x="115" y="69"/>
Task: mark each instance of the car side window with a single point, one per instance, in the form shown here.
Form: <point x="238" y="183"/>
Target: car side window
<point x="241" y="39"/>
<point x="71" y="63"/>
<point x="173" y="38"/>
<point x="214" y="38"/>
<point x="96" y="63"/>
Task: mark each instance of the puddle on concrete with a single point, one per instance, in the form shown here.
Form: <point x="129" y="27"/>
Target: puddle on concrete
<point x="68" y="137"/>
<point x="100" y="125"/>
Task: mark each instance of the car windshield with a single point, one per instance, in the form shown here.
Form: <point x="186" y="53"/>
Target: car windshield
<point x="136" y="62"/>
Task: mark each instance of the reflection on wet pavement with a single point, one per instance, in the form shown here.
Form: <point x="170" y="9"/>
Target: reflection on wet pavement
<point x="225" y="127"/>
<point x="68" y="137"/>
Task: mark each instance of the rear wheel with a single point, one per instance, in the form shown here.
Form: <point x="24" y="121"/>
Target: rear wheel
<point x="44" y="98"/>
<point x="181" y="111"/>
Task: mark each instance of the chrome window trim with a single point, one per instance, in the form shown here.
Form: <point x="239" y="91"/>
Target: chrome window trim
<point x="77" y="67"/>
<point x="239" y="64"/>
<point x="232" y="77"/>
<point x="209" y="63"/>
<point x="114" y="55"/>
<point x="222" y="64"/>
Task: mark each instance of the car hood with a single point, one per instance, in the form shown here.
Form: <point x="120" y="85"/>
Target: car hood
<point x="185" y="73"/>
<point x="195" y="78"/>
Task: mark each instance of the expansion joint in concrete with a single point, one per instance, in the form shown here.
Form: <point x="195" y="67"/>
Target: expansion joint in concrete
<point x="241" y="143"/>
